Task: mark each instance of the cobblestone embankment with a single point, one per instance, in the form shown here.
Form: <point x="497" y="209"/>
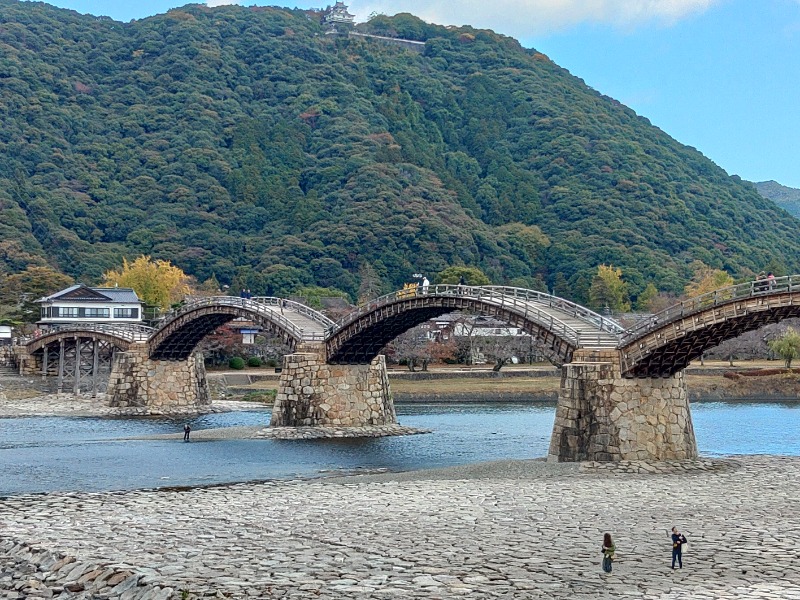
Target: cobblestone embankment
<point x="524" y="529"/>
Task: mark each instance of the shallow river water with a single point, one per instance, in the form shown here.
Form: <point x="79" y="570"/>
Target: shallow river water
<point x="42" y="454"/>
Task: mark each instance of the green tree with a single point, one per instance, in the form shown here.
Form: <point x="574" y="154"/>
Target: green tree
<point x="471" y="275"/>
<point x="19" y="292"/>
<point x="645" y="300"/>
<point x="313" y="295"/>
<point x="787" y="346"/>
<point x="608" y="290"/>
<point x="560" y="286"/>
<point x="370" y="286"/>
<point x="210" y="286"/>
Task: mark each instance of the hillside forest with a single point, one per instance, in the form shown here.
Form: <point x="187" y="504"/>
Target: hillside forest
<point x="250" y="149"/>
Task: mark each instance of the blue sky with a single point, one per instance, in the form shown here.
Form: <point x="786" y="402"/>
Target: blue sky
<point x="720" y="75"/>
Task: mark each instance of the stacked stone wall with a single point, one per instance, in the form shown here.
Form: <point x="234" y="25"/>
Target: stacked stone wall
<point x="602" y="416"/>
<point x="313" y="393"/>
<point x="162" y="386"/>
<point x="7" y="357"/>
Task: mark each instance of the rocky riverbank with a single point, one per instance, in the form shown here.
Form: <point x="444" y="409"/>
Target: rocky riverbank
<point x="518" y="529"/>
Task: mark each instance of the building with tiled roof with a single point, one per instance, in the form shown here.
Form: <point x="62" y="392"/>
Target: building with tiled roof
<point x="82" y="304"/>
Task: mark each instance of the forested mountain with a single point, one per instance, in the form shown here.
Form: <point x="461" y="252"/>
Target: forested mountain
<point x="244" y="143"/>
<point x="786" y="197"/>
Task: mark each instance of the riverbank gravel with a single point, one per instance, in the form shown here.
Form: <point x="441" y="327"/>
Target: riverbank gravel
<point x="519" y="529"/>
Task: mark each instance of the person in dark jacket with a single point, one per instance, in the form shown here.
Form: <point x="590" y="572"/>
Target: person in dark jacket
<point x="678" y="540"/>
<point x="187" y="429"/>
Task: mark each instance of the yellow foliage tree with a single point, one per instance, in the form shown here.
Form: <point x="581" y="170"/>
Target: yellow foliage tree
<point x="608" y="289"/>
<point x="157" y="283"/>
<point x="706" y="280"/>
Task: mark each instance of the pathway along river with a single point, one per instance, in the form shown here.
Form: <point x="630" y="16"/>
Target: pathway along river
<point x="43" y="454"/>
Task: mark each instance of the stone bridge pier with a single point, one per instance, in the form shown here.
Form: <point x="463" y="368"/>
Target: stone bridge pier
<point x="314" y="393"/>
<point x="603" y="416"/>
<point x="158" y="386"/>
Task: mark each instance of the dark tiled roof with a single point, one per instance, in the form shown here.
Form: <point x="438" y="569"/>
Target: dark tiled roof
<point x="82" y="293"/>
<point x="119" y="294"/>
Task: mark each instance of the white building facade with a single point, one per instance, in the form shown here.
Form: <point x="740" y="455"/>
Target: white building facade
<point x="82" y="304"/>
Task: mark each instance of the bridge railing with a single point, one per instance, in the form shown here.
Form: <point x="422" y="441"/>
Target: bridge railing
<point x="131" y="332"/>
<point x="297" y="307"/>
<point x="571" y="308"/>
<point x="257" y="305"/>
<point x="742" y="291"/>
<point x="487" y="294"/>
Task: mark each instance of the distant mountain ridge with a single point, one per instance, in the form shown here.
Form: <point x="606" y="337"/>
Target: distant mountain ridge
<point x="787" y="198"/>
<point x="243" y="143"/>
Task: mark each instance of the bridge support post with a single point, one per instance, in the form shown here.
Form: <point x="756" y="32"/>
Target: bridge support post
<point x="313" y="393"/>
<point x="27" y="364"/>
<point x="158" y="386"/>
<point x="604" y="417"/>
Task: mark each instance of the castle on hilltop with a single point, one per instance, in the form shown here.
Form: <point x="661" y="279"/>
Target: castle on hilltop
<point x="337" y="15"/>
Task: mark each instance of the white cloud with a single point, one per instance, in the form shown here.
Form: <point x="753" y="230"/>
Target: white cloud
<point x="522" y="18"/>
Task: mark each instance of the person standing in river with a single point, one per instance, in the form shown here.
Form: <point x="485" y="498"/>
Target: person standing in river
<point x="187" y="429"/>
<point x="678" y="540"/>
<point x="608" y="552"/>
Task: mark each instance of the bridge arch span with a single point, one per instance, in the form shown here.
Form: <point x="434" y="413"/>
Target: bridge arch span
<point x="119" y="337"/>
<point x="359" y="337"/>
<point x="671" y="339"/>
<point x="178" y="336"/>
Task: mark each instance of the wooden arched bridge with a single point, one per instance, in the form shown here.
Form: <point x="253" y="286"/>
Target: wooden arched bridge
<point x="660" y="345"/>
<point x="570" y="335"/>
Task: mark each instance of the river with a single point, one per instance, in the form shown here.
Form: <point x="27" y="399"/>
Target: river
<point x="44" y="454"/>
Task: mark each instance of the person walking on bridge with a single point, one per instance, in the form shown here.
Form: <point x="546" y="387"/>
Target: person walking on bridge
<point x="761" y="283"/>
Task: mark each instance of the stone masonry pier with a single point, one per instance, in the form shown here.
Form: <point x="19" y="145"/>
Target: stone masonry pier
<point x="314" y="393"/>
<point x="163" y="386"/>
<point x="602" y="416"/>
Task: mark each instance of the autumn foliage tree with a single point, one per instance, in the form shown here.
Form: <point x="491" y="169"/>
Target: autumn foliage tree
<point x="608" y="289"/>
<point x="706" y="280"/>
<point x="156" y="282"/>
